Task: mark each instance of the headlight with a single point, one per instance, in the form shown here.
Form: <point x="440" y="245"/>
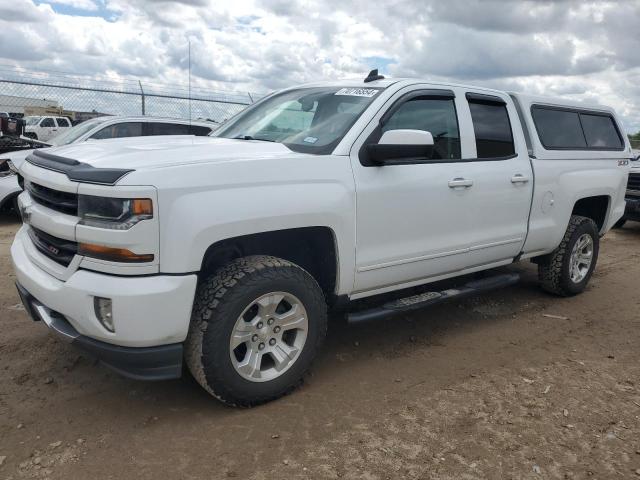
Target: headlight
<point x="113" y="213"/>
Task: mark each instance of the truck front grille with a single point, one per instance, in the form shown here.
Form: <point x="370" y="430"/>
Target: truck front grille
<point x="633" y="187"/>
<point x="57" y="249"/>
<point x="63" y="202"/>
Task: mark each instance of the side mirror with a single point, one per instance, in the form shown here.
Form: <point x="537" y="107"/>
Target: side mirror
<point x="401" y="147"/>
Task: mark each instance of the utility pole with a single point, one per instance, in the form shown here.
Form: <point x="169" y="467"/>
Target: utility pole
<point x="189" y="40"/>
<point x="142" y="93"/>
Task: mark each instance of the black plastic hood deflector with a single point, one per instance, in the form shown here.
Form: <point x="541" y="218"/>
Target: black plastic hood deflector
<point x="77" y="171"/>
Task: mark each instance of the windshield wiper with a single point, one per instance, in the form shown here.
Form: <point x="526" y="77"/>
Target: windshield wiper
<point x="249" y="137"/>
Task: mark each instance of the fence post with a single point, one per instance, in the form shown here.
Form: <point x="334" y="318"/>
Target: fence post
<point x="142" y="94"/>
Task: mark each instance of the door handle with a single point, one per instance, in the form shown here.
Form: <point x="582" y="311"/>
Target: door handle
<point x="460" y="182"/>
<point x="519" y="178"/>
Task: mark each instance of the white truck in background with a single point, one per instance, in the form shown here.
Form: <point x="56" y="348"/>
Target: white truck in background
<point x="45" y="128"/>
<point x="227" y="251"/>
<point x="632" y="210"/>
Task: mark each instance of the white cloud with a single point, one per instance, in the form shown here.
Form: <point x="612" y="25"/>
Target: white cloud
<point x="583" y="50"/>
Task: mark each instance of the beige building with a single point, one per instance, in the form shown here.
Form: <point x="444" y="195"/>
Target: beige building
<point x="28" y="106"/>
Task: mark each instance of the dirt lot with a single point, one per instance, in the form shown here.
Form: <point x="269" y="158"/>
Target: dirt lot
<point x="488" y="387"/>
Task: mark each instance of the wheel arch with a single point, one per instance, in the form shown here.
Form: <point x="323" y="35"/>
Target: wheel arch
<point x="595" y="207"/>
<point x="7" y="202"/>
<point x="313" y="248"/>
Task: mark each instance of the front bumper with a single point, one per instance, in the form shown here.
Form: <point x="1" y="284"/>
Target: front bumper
<point x="632" y="209"/>
<point x="151" y="313"/>
<point x="146" y="363"/>
<point x="147" y="310"/>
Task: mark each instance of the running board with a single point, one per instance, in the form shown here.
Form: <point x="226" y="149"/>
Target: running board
<point x="426" y="299"/>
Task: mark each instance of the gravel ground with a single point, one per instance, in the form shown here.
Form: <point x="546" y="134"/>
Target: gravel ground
<point x="513" y="384"/>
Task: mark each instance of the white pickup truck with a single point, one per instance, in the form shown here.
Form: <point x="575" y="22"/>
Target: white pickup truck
<point x="227" y="251"/>
<point x="632" y="212"/>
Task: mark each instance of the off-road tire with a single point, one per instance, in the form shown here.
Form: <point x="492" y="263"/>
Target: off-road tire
<point x="553" y="270"/>
<point x="219" y="301"/>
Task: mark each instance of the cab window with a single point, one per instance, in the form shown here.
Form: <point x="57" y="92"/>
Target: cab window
<point x="47" y="122"/>
<point x="62" y="122"/>
<point x="434" y="115"/>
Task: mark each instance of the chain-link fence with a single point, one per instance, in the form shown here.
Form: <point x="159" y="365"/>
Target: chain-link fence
<point x="25" y="93"/>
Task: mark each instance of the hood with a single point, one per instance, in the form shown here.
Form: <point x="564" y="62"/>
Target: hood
<point x="162" y="151"/>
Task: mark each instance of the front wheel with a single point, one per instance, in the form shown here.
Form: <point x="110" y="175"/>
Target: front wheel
<point x="256" y="326"/>
<point x="567" y="270"/>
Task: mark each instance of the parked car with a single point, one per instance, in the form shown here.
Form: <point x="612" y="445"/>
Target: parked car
<point x="227" y="251"/>
<point x="45" y="128"/>
<point x="101" y="128"/>
<point x="632" y="210"/>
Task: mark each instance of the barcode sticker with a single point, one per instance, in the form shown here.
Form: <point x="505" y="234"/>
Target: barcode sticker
<point x="357" y="92"/>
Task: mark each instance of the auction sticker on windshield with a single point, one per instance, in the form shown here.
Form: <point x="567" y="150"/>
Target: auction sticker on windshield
<point x="358" y="92"/>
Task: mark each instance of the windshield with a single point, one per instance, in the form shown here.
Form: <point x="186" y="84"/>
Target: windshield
<point x="32" y="120"/>
<point x="72" y="134"/>
<point x="311" y="120"/>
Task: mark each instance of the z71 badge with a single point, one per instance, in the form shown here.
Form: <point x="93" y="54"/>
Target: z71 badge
<point x="623" y="163"/>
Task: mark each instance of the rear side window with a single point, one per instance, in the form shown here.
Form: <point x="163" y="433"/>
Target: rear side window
<point x="119" y="130"/>
<point x="157" y="128"/>
<point x="62" y="122"/>
<point x="564" y="129"/>
<point x="600" y="131"/>
<point x="199" y="131"/>
<point x="492" y="127"/>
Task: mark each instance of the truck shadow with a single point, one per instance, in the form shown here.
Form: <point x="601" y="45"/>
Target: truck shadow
<point x="630" y="228"/>
<point x="349" y="351"/>
<point x="9" y="217"/>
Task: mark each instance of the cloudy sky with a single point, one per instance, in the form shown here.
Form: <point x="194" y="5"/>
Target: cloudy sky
<point x="583" y="50"/>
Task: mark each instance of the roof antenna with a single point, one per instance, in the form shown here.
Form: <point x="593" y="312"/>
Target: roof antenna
<point x="373" y="75"/>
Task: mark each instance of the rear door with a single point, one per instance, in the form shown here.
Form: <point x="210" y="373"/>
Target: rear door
<point x="502" y="180"/>
<point x="46" y="129"/>
<point x="63" y="122"/>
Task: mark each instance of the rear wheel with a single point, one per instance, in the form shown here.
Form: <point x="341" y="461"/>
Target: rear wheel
<point x="256" y="326"/>
<point x="567" y="270"/>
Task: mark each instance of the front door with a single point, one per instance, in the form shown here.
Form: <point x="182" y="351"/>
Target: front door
<point x="412" y="219"/>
